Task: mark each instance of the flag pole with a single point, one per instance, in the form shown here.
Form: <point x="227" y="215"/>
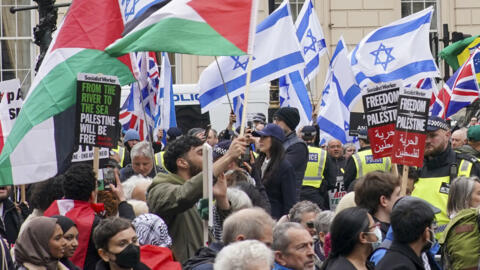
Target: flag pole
<point x="245" y="99"/>
<point x="224" y="85"/>
<point x="150" y="132"/>
<point x="329" y="60"/>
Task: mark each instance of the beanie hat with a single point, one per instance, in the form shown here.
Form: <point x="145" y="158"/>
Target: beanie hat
<point x="289" y="115"/>
<point x="131" y="135"/>
<point x="173" y="133"/>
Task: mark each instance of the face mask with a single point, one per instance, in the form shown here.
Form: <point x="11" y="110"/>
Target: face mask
<point x="129" y="257"/>
<point x="378" y="234"/>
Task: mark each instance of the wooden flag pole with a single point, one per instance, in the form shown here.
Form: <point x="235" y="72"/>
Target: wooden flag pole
<point x="96" y="163"/>
<point x="395" y="169"/>
<point x="245" y="100"/>
<point x="22" y="194"/>
<point x="403" y="187"/>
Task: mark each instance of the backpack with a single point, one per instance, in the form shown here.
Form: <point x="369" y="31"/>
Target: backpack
<point x="461" y="241"/>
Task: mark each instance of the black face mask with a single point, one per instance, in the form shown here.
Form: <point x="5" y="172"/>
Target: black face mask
<point x="129" y="257"/>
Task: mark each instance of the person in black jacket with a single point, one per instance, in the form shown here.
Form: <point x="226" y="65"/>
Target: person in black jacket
<point x="11" y="220"/>
<point x="412" y="223"/>
<point x="274" y="171"/>
<point x="296" y="150"/>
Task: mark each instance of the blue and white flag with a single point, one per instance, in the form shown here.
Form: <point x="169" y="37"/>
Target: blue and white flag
<point x="292" y="87"/>
<point x="166" y="117"/>
<point x="312" y="40"/>
<point x="398" y="51"/>
<point x="238" y="109"/>
<point x="339" y="96"/>
<point x="294" y="93"/>
<point x="276" y="52"/>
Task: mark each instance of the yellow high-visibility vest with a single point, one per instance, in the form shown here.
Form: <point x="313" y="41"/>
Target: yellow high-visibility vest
<point x="121" y="153"/>
<point x="435" y="191"/>
<point x="159" y="159"/>
<point x="365" y="163"/>
<point x="317" y="158"/>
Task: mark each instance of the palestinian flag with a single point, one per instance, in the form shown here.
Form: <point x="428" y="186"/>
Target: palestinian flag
<point x="41" y="142"/>
<point x="83" y="215"/>
<point x="201" y="27"/>
<point x="458" y="53"/>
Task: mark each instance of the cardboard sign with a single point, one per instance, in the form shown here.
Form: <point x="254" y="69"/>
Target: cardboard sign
<point x="380" y="105"/>
<point x="411" y="126"/>
<point x="357" y="122"/>
<point x="98" y="102"/>
<point x="11" y="102"/>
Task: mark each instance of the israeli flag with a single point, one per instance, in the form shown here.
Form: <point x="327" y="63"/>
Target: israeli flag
<point x="339" y="96"/>
<point x="312" y="40"/>
<point x="166" y="117"/>
<point x="293" y="93"/>
<point x="292" y="87"/>
<point x="238" y="109"/>
<point x="398" y="51"/>
<point x="276" y="52"/>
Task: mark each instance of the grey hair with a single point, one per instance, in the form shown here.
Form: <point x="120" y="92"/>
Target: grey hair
<point x="323" y="221"/>
<point x="300" y="208"/>
<point x="130" y="184"/>
<point x="460" y="194"/>
<point x="243" y="255"/>
<point x="348" y="145"/>
<point x="249" y="222"/>
<point x="280" y="235"/>
<point x="238" y="199"/>
<point x="142" y="148"/>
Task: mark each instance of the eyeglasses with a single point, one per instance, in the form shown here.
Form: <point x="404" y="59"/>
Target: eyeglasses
<point x="310" y="224"/>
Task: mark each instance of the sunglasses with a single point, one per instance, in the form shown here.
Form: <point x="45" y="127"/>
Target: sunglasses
<point x="310" y="224"/>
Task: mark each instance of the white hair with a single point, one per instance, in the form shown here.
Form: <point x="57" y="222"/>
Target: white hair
<point x="244" y="255"/>
<point x="238" y="199"/>
<point x="139" y="207"/>
<point x="142" y="148"/>
<point x="130" y="184"/>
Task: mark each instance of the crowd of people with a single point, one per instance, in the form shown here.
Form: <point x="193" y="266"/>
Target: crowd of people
<point x="282" y="201"/>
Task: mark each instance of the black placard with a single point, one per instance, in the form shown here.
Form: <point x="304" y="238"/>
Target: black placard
<point x="98" y="102"/>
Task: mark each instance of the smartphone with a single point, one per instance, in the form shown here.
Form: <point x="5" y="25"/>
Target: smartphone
<point x="108" y="178"/>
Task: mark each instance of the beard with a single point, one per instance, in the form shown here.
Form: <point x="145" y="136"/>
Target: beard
<point x="193" y="169"/>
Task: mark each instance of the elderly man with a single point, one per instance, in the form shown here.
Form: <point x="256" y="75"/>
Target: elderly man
<point x="305" y="213"/>
<point x="142" y="162"/>
<point x="246" y="224"/>
<point x="335" y="153"/>
<point x="459" y="138"/>
<point x="293" y="247"/>
<point x="473" y="145"/>
<point x="245" y="255"/>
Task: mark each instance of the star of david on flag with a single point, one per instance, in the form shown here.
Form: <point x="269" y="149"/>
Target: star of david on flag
<point x="276" y="52"/>
<point x="397" y="51"/>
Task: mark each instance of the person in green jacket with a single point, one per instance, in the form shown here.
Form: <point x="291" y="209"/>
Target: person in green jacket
<point x="173" y="196"/>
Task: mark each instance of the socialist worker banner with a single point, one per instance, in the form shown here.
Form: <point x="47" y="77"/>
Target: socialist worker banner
<point x="11" y="102"/>
<point x="380" y="106"/>
<point x="411" y="126"/>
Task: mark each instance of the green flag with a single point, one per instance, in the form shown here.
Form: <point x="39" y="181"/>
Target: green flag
<point x="457" y="53"/>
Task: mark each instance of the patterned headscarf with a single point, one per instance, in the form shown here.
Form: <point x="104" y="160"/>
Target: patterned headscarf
<point x="152" y="230"/>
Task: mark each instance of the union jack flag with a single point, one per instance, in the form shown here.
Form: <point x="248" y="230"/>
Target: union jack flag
<point x="140" y="108"/>
<point x="460" y="90"/>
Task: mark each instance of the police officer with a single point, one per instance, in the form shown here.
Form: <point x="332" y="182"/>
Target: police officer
<point x="440" y="166"/>
<point x="122" y="154"/>
<point x="362" y="162"/>
<point x="318" y="175"/>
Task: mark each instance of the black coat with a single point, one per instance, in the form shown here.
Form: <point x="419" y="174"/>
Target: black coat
<point x="12" y="220"/>
<point x="400" y="257"/>
<point x="296" y="152"/>
<point x="280" y="188"/>
<point x="342" y="263"/>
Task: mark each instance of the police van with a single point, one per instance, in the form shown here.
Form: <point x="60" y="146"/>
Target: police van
<point x="187" y="106"/>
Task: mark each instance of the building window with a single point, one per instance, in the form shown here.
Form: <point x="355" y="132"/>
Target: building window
<point x="175" y="60"/>
<point x="295" y="6"/>
<point x="411" y="6"/>
<point x="16" y="43"/>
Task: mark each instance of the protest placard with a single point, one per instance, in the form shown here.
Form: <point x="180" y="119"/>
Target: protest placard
<point x="411" y="126"/>
<point x="98" y="102"/>
<point x="380" y="106"/>
<point x="357" y="122"/>
<point x="10" y="104"/>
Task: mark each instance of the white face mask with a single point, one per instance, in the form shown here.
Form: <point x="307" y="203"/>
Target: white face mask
<point x="378" y="234"/>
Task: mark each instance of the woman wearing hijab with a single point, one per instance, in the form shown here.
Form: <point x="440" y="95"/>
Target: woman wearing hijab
<point x="70" y="234"/>
<point x="40" y="246"/>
